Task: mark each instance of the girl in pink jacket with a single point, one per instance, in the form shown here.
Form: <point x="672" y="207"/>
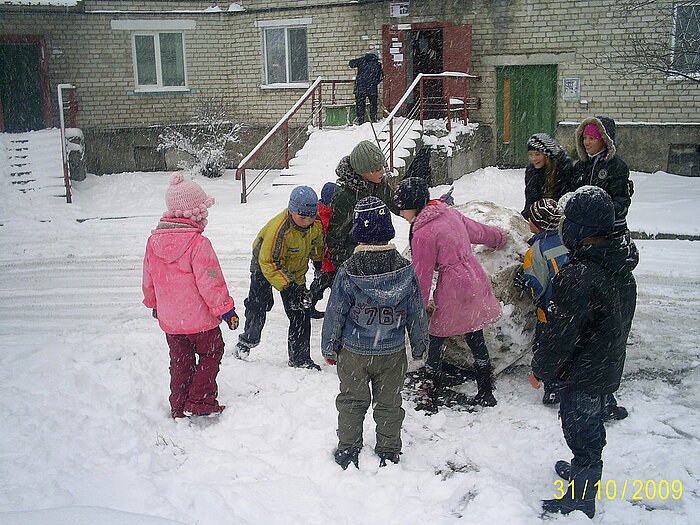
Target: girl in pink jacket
<point x="441" y="240"/>
<point x="183" y="284"/>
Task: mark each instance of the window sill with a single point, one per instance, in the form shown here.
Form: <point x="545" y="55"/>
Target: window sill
<point x="290" y="85"/>
<point x="161" y="91"/>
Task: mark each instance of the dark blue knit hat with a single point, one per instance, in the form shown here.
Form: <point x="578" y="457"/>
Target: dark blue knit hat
<point x="327" y="192"/>
<point x="588" y="212"/>
<point x="372" y="222"/>
<point x="412" y="194"/>
<point x="304" y="201"/>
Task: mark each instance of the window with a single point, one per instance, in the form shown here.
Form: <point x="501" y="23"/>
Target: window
<point x="284" y="51"/>
<point x="159" y="61"/>
<point x="686" y="38"/>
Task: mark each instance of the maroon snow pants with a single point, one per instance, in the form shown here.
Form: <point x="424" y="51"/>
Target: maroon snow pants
<point x="193" y="381"/>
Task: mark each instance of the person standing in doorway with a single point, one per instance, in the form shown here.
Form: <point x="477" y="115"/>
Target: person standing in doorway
<point x="369" y="75"/>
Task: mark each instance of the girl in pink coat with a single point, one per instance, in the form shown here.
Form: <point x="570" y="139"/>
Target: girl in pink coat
<point x="441" y="239"/>
<point x="183" y="284"/>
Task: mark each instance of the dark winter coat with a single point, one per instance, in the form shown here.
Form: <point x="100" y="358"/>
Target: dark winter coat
<point x="605" y="170"/>
<point x="369" y="74"/>
<point x="352" y="188"/>
<point x="374" y="301"/>
<point x="589" y="318"/>
<point x="535" y="182"/>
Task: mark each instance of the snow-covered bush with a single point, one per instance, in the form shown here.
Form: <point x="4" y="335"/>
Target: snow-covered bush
<point x="204" y="140"/>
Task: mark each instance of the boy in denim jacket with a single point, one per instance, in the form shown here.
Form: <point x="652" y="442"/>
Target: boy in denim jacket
<point x="374" y="300"/>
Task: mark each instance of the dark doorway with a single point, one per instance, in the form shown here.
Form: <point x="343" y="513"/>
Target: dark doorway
<point x="20" y="87"/>
<point x="426" y="57"/>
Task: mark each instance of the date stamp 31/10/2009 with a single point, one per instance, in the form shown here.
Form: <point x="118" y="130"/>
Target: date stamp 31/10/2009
<point x="636" y="489"/>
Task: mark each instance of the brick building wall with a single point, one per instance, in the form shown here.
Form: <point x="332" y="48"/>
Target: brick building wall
<point x="224" y="55"/>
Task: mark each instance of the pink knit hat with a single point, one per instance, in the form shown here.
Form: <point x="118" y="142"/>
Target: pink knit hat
<point x="186" y="199"/>
<point x="592" y="131"/>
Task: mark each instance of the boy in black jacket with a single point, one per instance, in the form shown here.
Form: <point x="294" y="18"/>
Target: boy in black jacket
<point x="583" y="344"/>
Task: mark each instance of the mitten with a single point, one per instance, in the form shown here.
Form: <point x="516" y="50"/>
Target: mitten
<point x="231" y="319"/>
<point x="519" y="280"/>
<point x="448" y="198"/>
<point x="299" y="298"/>
<point x="329" y="361"/>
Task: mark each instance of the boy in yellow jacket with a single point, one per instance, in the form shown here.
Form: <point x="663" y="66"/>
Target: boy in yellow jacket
<point x="281" y="254"/>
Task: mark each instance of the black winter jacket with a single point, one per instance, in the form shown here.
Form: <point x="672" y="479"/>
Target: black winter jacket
<point x="369" y="74"/>
<point x="352" y="188"/>
<point x="605" y="170"/>
<point x="589" y="318"/>
<point x="534" y="182"/>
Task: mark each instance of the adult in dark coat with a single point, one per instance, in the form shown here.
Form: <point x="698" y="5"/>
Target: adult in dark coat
<point x="600" y="166"/>
<point x="369" y="75"/>
<point x="360" y="174"/>
<point x="549" y="173"/>
<point x="583" y="344"/>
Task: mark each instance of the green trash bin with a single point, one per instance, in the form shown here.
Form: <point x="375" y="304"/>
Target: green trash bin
<point x="336" y="115"/>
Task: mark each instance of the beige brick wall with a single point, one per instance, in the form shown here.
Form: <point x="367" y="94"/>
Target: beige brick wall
<point x="224" y="55"/>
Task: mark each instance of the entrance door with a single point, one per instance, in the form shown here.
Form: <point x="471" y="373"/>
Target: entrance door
<point x="426" y="57"/>
<point x="526" y="103"/>
<point x="20" y="87"/>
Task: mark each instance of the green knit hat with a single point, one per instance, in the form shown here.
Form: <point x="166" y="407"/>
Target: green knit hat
<point x="366" y="158"/>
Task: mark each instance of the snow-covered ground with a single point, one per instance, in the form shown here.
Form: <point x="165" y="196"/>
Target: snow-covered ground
<point x="86" y="436"/>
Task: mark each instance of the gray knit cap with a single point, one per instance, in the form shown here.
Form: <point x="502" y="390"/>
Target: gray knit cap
<point x="366" y="158"/>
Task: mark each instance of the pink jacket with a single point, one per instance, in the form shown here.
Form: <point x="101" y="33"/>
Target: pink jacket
<point x="463" y="296"/>
<point x="182" y="278"/>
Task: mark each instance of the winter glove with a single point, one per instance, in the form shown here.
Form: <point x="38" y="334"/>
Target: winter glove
<point x="519" y="281"/>
<point x="329" y="361"/>
<point x="448" y="198"/>
<point x="298" y="296"/>
<point x="231" y="319"/>
<point x="154" y="313"/>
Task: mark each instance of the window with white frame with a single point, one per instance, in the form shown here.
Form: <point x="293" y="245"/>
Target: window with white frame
<point x="285" y="57"/>
<point x="159" y="60"/>
<point x="686" y="37"/>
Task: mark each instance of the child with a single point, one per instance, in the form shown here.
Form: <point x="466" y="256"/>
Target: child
<point x="543" y="260"/>
<point x="281" y="254"/>
<point x="360" y="174"/>
<point x="183" y="284"/>
<point x="582" y="345"/>
<point x="441" y="240"/>
<point x="549" y="173"/>
<point x="323" y="279"/>
<point x="375" y="299"/>
<point x="600" y="166"/>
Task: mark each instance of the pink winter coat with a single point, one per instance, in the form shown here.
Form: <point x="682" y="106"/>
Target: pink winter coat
<point x="442" y="241"/>
<point x="182" y="278"/>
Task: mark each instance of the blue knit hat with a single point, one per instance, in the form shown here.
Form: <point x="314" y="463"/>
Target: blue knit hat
<point x="588" y="212"/>
<point x="303" y="201"/>
<point x="372" y="222"/>
<point x="327" y="192"/>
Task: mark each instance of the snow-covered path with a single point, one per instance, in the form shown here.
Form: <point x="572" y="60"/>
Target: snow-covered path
<point x="84" y="385"/>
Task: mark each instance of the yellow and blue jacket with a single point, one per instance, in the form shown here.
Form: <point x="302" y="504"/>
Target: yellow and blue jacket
<point x="282" y="250"/>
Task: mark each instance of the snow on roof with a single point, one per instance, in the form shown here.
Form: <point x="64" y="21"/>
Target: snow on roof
<point x="57" y="3"/>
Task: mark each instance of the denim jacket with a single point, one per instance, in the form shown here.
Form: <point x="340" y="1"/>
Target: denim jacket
<point x="375" y="299"/>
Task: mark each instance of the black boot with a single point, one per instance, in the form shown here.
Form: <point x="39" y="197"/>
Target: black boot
<point x="563" y="469"/>
<point x="346" y="456"/>
<point x="581" y="494"/>
<point x="388" y="456"/>
<point x="485" y="382"/>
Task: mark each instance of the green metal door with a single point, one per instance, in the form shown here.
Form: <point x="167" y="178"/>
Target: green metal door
<point x="526" y="103"/>
<point x="20" y="92"/>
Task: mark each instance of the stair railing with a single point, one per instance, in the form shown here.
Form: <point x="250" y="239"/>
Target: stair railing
<point x="73" y="118"/>
<point x="451" y="106"/>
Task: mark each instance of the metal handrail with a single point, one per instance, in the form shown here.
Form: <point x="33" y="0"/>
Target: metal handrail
<point x="64" y="152"/>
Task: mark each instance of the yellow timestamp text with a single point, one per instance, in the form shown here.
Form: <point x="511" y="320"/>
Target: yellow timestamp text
<point x="635" y="489"/>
